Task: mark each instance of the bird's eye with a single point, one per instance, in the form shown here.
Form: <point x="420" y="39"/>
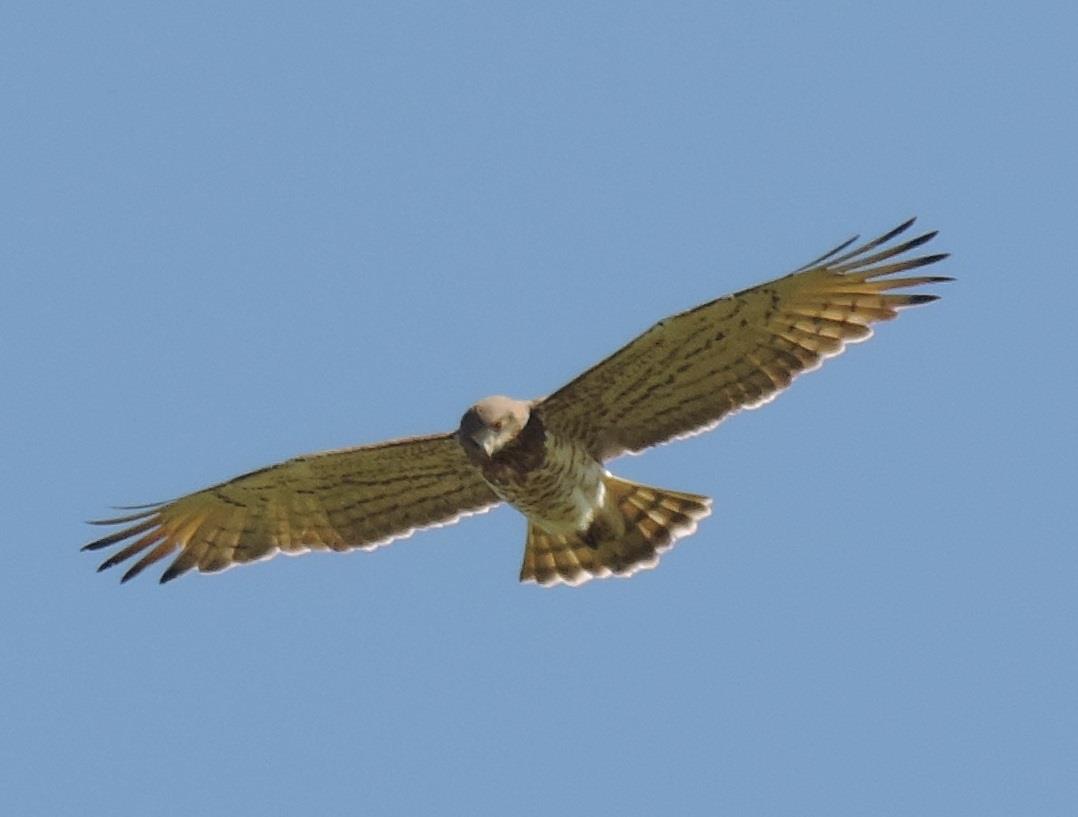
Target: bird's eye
<point x="498" y="425"/>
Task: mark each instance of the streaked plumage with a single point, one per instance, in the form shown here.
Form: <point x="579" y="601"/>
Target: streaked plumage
<point x="546" y="457"/>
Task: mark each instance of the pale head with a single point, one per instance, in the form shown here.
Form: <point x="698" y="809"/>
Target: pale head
<point x="490" y="425"/>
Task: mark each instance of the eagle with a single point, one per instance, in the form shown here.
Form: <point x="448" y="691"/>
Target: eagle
<point x="547" y="457"/>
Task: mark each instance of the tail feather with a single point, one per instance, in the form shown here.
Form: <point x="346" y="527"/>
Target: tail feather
<point x="651" y="520"/>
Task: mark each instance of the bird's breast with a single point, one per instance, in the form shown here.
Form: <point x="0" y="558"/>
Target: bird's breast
<point x="560" y="490"/>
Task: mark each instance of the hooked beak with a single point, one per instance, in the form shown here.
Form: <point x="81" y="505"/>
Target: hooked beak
<point x="484" y="438"/>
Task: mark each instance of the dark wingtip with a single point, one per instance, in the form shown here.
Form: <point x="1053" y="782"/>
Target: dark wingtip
<point x="120" y="520"/>
<point x="924" y="261"/>
<point x="112" y="561"/>
<point x="918" y="299"/>
<point x="924" y="238"/>
<point x="901" y="228"/>
<point x="170" y="574"/>
<point x="120" y="535"/>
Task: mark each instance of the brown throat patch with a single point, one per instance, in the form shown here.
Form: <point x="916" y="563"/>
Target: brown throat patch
<point x="525" y="453"/>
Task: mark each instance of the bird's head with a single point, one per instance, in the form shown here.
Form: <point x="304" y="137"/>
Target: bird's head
<point x="488" y="426"/>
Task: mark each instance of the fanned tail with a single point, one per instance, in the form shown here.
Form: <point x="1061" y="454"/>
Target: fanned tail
<point x="652" y="520"/>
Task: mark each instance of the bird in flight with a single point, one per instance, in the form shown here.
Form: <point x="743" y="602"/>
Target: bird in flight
<point x="546" y="457"/>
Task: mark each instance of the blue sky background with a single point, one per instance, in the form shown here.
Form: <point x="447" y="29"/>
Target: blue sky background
<point x="234" y="234"/>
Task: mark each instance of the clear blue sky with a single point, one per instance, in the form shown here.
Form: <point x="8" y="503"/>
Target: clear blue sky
<point x="234" y="235"/>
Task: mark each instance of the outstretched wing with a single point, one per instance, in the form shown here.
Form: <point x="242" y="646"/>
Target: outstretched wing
<point x="337" y="500"/>
<point x="691" y="370"/>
